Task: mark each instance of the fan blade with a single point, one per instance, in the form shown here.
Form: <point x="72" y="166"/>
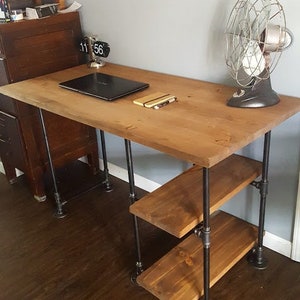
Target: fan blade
<point x="253" y="61"/>
<point x="261" y="17"/>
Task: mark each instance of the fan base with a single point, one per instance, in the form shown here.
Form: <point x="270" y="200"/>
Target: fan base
<point x="259" y="95"/>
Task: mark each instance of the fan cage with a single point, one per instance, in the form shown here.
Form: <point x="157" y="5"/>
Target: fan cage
<point x="245" y="33"/>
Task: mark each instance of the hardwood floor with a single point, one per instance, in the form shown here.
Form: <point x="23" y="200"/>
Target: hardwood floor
<point x="90" y="253"/>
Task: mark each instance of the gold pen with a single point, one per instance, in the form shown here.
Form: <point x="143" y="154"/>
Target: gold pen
<point x="158" y="106"/>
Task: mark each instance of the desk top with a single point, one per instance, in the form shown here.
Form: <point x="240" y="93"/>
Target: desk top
<point x="198" y="128"/>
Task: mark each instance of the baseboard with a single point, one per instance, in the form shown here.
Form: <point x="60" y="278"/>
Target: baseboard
<point x="140" y="181"/>
<point x="277" y="244"/>
<point x="296" y="236"/>
<point x="271" y="241"/>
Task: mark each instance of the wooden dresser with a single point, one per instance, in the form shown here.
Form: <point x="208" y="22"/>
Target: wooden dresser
<point x="29" y="49"/>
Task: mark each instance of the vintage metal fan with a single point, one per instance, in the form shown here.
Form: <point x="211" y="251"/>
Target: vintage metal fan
<point x="256" y="35"/>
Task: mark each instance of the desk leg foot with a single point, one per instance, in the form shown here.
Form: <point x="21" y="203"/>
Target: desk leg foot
<point x="106" y="183"/>
<point x="59" y="213"/>
<point x="256" y="258"/>
<point x="139" y="269"/>
<point x="107" y="186"/>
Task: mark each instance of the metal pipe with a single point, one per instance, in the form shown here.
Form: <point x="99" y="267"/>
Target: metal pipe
<point x="106" y="182"/>
<point x="261" y="261"/>
<point x="206" y="233"/>
<point x="132" y="198"/>
<point x="256" y="257"/>
<point x="59" y="204"/>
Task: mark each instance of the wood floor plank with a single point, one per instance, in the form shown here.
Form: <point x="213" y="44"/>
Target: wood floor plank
<point x="90" y="255"/>
<point x="176" y="207"/>
<point x="83" y="256"/>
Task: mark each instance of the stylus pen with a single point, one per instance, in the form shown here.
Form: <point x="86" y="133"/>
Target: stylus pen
<point x="158" y="106"/>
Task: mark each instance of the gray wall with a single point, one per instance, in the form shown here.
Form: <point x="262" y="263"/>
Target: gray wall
<point x="186" y="38"/>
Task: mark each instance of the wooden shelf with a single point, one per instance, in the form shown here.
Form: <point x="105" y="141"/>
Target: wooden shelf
<point x="176" y="207"/>
<point x="179" y="274"/>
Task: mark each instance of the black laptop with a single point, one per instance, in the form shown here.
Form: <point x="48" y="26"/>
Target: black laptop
<point x="104" y="86"/>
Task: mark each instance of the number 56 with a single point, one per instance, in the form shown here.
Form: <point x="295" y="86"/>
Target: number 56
<point x="101" y="49"/>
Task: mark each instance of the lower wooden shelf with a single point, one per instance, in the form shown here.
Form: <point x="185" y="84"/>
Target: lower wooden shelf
<point x="179" y="274"/>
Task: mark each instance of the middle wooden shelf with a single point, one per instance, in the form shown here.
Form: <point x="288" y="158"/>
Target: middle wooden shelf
<point x="176" y="207"/>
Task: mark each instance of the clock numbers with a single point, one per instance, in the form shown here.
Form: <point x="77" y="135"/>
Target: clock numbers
<point x="84" y="47"/>
<point x="99" y="48"/>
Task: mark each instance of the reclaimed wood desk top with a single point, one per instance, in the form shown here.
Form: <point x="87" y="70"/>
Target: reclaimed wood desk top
<point x="198" y="128"/>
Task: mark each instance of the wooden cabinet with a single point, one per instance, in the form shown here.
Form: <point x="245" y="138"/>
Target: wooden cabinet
<point x="29" y="49"/>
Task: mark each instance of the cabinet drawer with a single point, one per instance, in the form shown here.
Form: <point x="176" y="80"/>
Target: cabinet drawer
<point x="3" y="74"/>
<point x="7" y="105"/>
<point x="11" y="145"/>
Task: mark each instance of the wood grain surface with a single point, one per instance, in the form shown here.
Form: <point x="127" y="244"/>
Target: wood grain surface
<point x="198" y="128"/>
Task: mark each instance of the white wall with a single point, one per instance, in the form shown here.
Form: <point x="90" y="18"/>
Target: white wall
<point x="186" y="38"/>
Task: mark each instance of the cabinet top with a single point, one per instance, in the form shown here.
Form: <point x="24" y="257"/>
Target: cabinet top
<point x="198" y="128"/>
<point x="58" y="18"/>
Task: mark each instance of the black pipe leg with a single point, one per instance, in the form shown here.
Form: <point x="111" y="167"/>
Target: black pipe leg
<point x="206" y="234"/>
<point x="107" y="184"/>
<point x="132" y="199"/>
<point x="59" y="213"/>
<point x="203" y="232"/>
<point x="138" y="265"/>
<point x="256" y="256"/>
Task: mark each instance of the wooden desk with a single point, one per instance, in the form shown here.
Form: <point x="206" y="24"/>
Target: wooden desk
<point x="199" y="128"/>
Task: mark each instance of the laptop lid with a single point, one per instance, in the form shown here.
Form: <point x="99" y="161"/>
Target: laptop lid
<point x="103" y="86"/>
